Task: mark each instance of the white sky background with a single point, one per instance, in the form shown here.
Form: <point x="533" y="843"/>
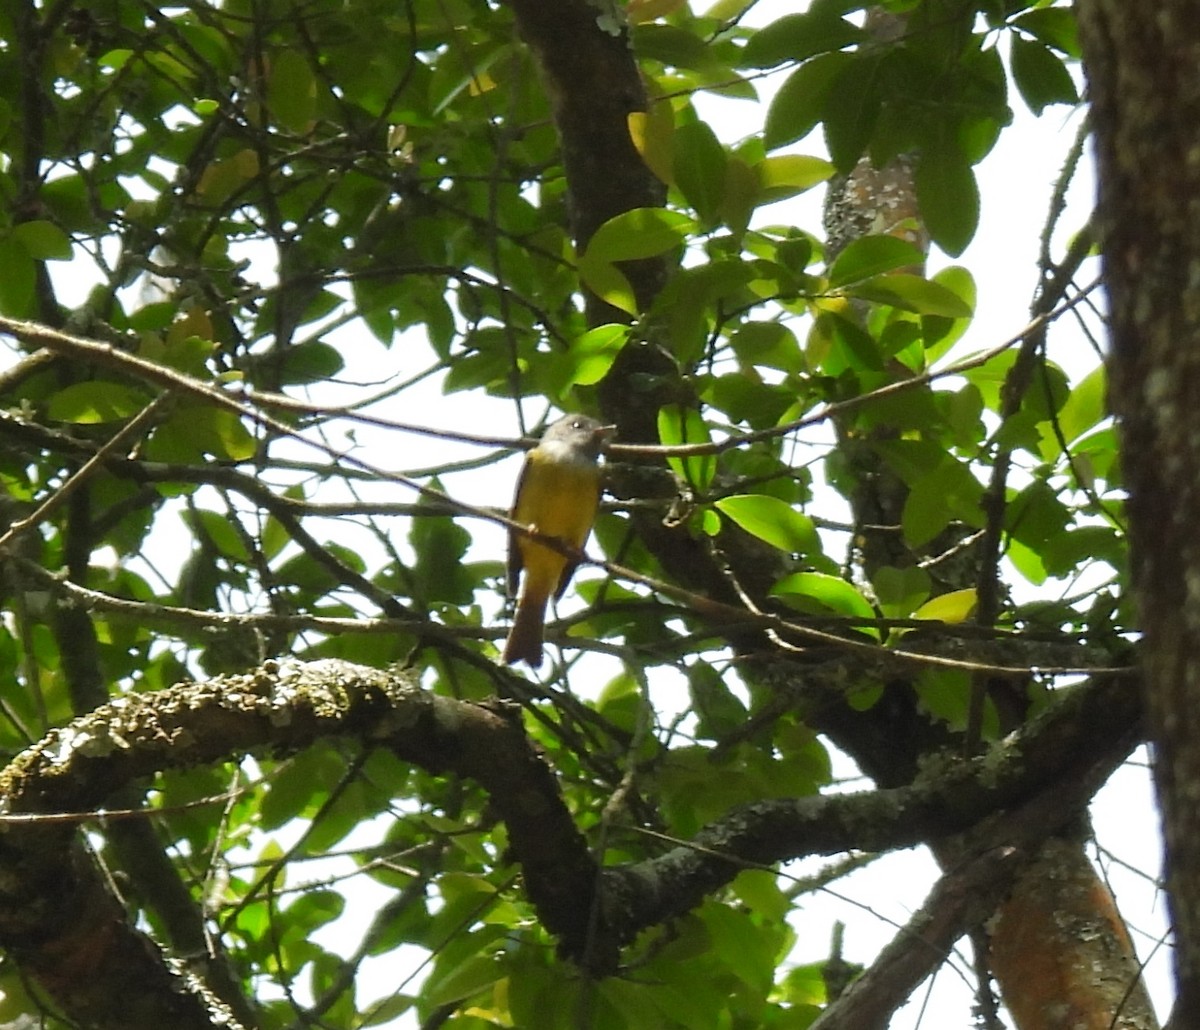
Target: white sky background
<point x="1015" y="186"/>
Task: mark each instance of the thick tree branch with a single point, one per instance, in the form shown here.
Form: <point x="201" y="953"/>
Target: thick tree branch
<point x="55" y="912"/>
<point x="1069" y="751"/>
<point x="963" y="898"/>
<point x="52" y="903"/>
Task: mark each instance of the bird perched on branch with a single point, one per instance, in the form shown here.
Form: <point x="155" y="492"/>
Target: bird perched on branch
<point x="557" y="496"/>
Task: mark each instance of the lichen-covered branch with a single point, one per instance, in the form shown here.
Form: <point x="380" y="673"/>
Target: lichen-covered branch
<point x="56" y="912"/>
<point x="1067" y="754"/>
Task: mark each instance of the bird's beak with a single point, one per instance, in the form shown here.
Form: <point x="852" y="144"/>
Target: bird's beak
<point x="606" y="434"/>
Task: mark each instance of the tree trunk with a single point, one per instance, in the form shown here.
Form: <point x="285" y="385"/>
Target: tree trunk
<point x="1143" y="66"/>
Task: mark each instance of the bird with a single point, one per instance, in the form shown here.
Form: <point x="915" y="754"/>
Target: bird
<point x="557" y="495"/>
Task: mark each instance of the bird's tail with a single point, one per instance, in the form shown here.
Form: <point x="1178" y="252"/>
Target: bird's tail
<point x="524" y="642"/>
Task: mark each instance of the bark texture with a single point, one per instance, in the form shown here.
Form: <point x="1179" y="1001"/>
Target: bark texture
<point x="1143" y="68"/>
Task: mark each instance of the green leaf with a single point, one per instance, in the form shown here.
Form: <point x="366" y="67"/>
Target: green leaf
<point x="1041" y="77"/>
<point x="795" y="37"/>
<point x="718" y="711"/>
<point x="990" y="376"/>
<point x="787" y="175"/>
<point x="1055" y="26"/>
<point x="699" y="169"/>
<point x="1027" y="562"/>
<point x="641" y="1005"/>
<point x="93" y="402"/>
<point x="744" y="944"/>
<point x="44" y="240"/>
<point x="470" y="76"/>
<point x="218" y="529"/>
<point x="853" y="111"/>
<point x="741" y="194"/>
<point x="1085" y="407"/>
<point x="481" y="369"/>
<point x="687" y="302"/>
<point x="942" y="333"/>
<point x="948" y="196"/>
<point x="311" y="910"/>
<point x="194" y="430"/>
<point x="767" y="345"/>
<point x="608" y="283"/>
<point x="641" y="233"/>
<point x="620" y="701"/>
<point x="300" y="785"/>
<point x="275" y="537"/>
<point x="759" y="891"/>
<point x="964" y="411"/>
<point x="1036" y="515"/>
<point x="224" y="177"/>
<point x="772" y="520"/>
<point x="900" y="591"/>
<point x="17" y="275"/>
<point x="851" y="346"/>
<point x="461" y="981"/>
<point x="590" y="357"/>
<point x="155" y="316"/>
<point x="800" y="102"/>
<point x="678" y="425"/>
<point x="67" y="201"/>
<point x="653" y="135"/>
<point x="353" y="805"/>
<point x="386" y="1011"/>
<point x="230" y="438"/>
<point x="728" y="10"/>
<point x="946" y="695"/>
<point x="1065" y="553"/>
<point x="827" y="591"/>
<point x="672" y="46"/>
<point x="870" y="256"/>
<point x="745" y="399"/>
<point x="913" y="293"/>
<point x="953" y="607"/>
<point x="947" y="493"/>
<point x="438" y="573"/>
<point x="311" y="362"/>
<point x="804" y="987"/>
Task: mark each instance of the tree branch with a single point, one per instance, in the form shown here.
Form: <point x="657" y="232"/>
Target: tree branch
<point x="55" y="910"/>
<point x="1069" y="751"/>
<point x="53" y="904"/>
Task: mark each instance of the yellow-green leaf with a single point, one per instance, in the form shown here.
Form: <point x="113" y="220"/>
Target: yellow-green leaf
<point x="641" y="233"/>
<point x="786" y="175"/>
<point x="653" y="135"/>
<point x="607" y="282"/>
<point x="953" y="607"/>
